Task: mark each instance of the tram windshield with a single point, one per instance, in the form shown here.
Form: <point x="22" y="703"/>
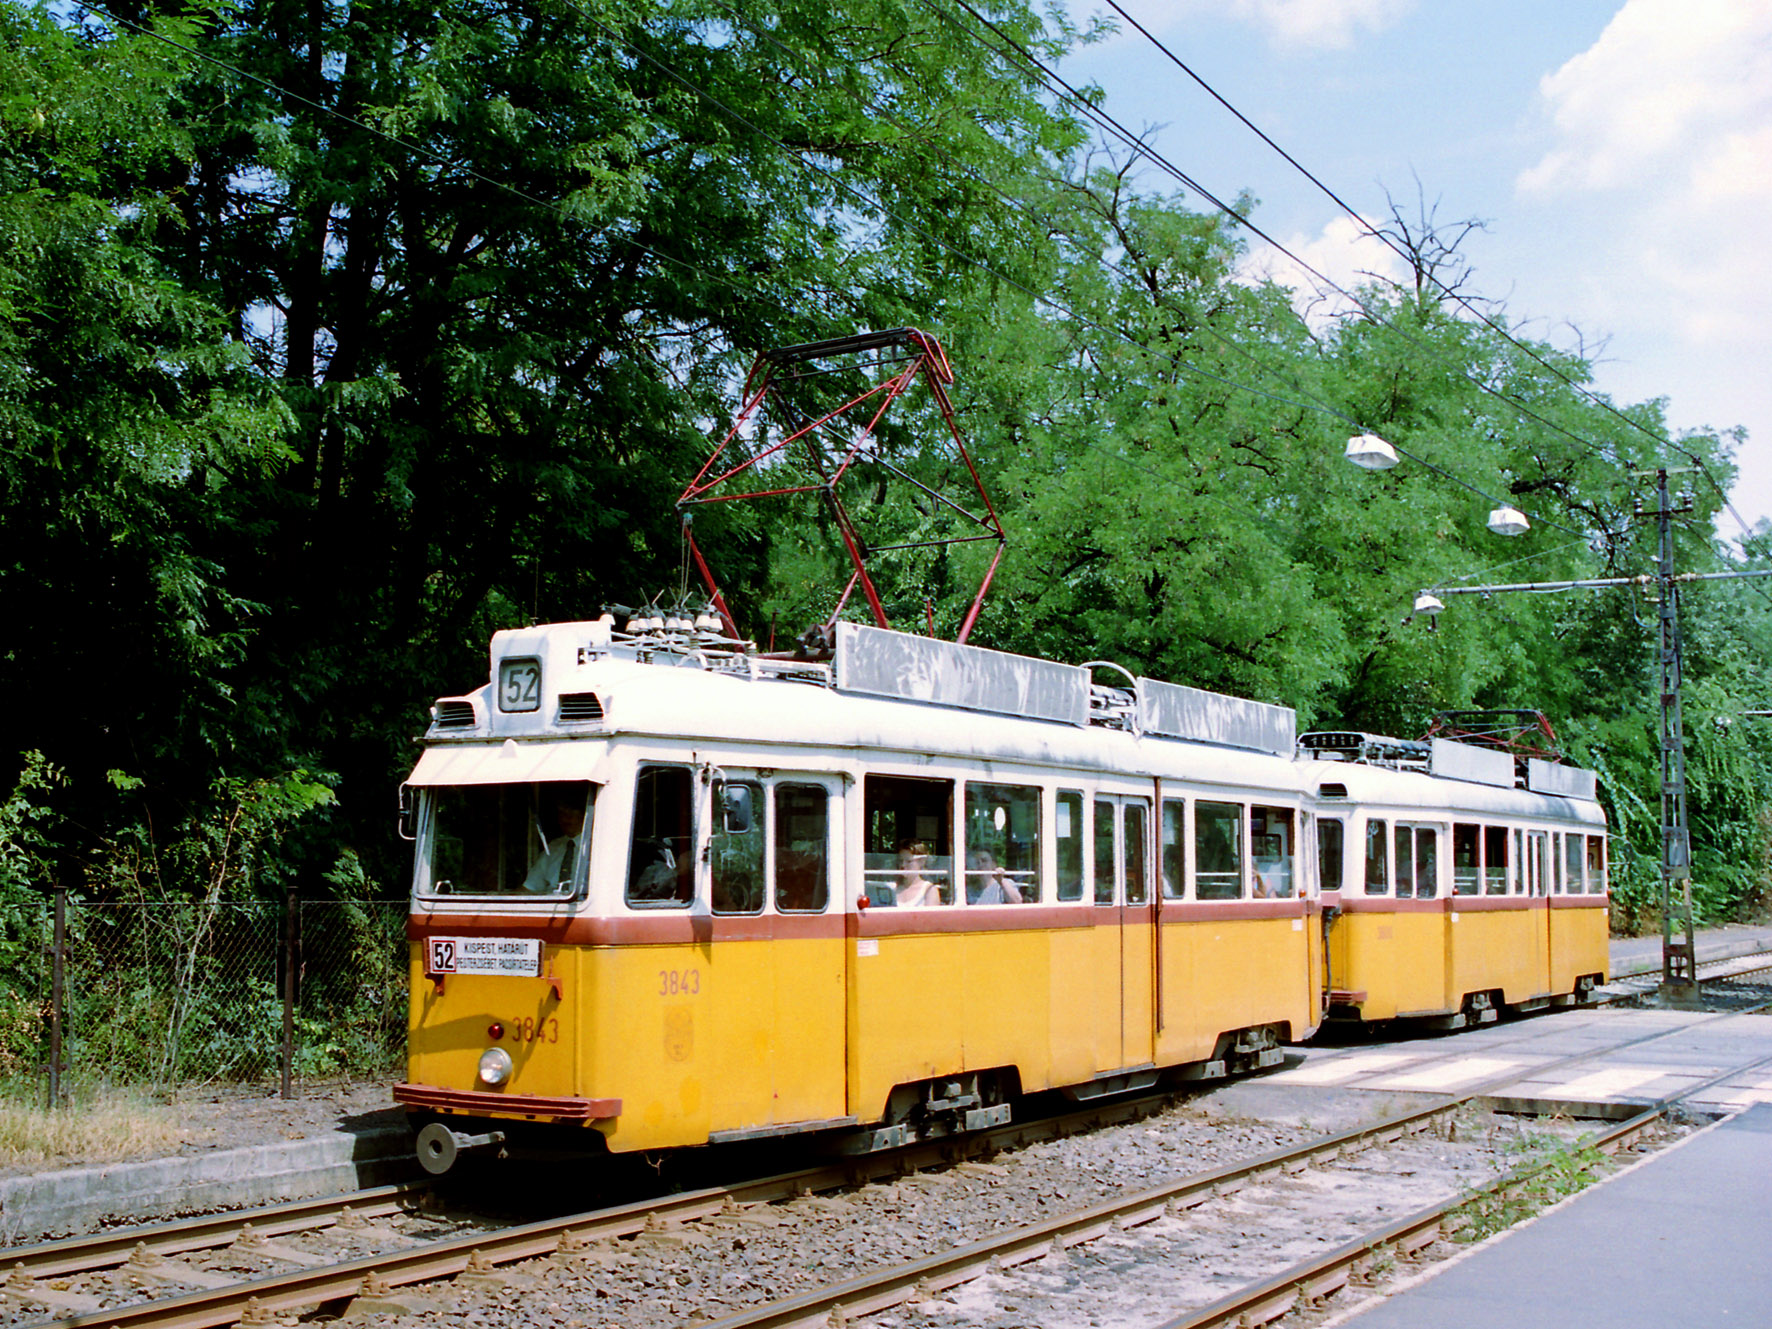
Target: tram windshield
<point x="525" y="840"/>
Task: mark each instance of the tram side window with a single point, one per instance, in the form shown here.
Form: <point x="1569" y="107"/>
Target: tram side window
<point x="1467" y="863"/>
<point x="1135" y="845"/>
<point x="1519" y="859"/>
<point x="1574" y="859"/>
<point x="1405" y="862"/>
<point x="1427" y="862"/>
<point x="1596" y="864"/>
<point x="1104" y="852"/>
<point x="1331" y="839"/>
<point x="1174" y="858"/>
<point x="1271" y="841"/>
<point x="1218" y="851"/>
<point x="802" y="849"/>
<point x="1378" y="868"/>
<point x="1002" y="843"/>
<point x="508" y="839"/>
<point x="1068" y="832"/>
<point x="735" y="856"/>
<point x="908" y="855"/>
<point x="1495" y="860"/>
<point x="662" y="857"/>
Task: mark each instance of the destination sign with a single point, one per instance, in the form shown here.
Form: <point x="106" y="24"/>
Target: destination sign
<point x="516" y="957"/>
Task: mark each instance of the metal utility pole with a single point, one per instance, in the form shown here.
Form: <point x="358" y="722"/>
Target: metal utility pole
<point x="1679" y="970"/>
<point x="1679" y="957"/>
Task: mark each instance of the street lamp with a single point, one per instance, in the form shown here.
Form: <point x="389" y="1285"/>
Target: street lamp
<point x="1508" y="521"/>
<point x="1371" y="453"/>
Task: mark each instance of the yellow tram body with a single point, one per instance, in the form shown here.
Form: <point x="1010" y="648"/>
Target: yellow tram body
<point x="666" y="900"/>
<point x="1460" y="897"/>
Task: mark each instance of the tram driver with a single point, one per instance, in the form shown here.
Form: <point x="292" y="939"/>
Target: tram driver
<point x="559" y="826"/>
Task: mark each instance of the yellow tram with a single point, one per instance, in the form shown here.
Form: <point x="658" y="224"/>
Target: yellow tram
<point x="1460" y="880"/>
<point x="669" y="892"/>
<point x="674" y="893"/>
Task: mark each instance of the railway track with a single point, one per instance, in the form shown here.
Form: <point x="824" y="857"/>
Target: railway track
<point x="1277" y="1293"/>
<point x="252" y="1266"/>
<point x="1722" y="969"/>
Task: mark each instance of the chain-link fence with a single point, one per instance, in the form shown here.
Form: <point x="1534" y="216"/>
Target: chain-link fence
<point x="165" y="995"/>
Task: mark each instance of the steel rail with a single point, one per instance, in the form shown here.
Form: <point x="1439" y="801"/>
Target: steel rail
<point x="106" y="1250"/>
<point x="482" y="1251"/>
<point x="884" y="1288"/>
<point x="1313" y="1279"/>
<point x="871" y="1293"/>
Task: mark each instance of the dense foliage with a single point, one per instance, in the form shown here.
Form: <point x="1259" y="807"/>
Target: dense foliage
<point x="334" y="337"/>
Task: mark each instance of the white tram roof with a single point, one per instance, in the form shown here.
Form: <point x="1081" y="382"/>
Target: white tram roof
<point x="886" y="692"/>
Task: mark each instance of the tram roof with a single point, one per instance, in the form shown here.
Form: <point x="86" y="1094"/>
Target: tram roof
<point x="882" y="692"/>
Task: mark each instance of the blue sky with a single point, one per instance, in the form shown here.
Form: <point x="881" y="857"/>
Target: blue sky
<point x="1619" y="150"/>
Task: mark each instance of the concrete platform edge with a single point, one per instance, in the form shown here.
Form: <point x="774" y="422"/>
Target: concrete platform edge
<point x="50" y="1204"/>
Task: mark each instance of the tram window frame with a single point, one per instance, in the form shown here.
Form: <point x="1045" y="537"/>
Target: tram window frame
<point x="1467" y="877"/>
<point x="1574" y="863"/>
<point x="1517" y="879"/>
<point x="1172" y="851"/>
<point x="511" y="811"/>
<point x="1104" y="851"/>
<point x="1427" y="862"/>
<point x="784" y="842"/>
<point x="1597" y="883"/>
<point x="1496" y="867"/>
<point x="901" y="813"/>
<point x="1207" y="817"/>
<point x="1331" y="853"/>
<point x="1378" y="834"/>
<point x="720" y="855"/>
<point x="1135" y="850"/>
<point x="679" y="863"/>
<point x="993" y="810"/>
<point x="1067" y="810"/>
<point x="1276" y="846"/>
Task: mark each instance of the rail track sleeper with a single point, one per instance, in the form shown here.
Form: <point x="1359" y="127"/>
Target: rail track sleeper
<point x="106" y="1250"/>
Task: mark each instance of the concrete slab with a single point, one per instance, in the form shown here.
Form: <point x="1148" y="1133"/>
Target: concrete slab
<point x="38" y="1206"/>
<point x="1676" y="1239"/>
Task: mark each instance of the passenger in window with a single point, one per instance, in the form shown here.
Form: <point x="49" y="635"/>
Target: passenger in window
<point x="559" y="822"/>
<point x="997" y="888"/>
<point x="658" y="879"/>
<point x="915" y="891"/>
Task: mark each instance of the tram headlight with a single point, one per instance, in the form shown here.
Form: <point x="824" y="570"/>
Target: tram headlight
<point x="495" y="1066"/>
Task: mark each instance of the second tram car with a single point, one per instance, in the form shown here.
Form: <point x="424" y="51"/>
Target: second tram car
<point x="1454" y="891"/>
<point x="669" y="893"/>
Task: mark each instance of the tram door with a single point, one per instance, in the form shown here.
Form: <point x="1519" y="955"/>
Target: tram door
<point x="777" y="956"/>
<point x="1538" y="908"/>
<point x="1125" y="1029"/>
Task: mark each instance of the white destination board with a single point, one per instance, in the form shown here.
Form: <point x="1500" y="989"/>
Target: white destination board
<point x="511" y="956"/>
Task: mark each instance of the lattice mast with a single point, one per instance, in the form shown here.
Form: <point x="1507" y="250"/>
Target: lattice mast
<point x="815" y="456"/>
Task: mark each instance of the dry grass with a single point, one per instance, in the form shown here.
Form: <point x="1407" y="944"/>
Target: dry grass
<point x="103" y="1129"/>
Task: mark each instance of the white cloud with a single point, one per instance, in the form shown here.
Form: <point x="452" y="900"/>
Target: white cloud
<point x="1319" y="23"/>
<point x="1653" y="190"/>
<point x="1343" y="251"/>
<point x="1664" y="79"/>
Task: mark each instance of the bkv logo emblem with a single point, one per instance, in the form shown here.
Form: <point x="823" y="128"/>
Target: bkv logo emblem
<point x="442" y="955"/>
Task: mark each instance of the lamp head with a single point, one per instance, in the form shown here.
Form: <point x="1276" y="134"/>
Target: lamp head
<point x="1509" y="521"/>
<point x="1371" y="453"/>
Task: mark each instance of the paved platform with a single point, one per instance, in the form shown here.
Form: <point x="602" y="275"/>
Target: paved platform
<point x="1677" y="1239"/>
